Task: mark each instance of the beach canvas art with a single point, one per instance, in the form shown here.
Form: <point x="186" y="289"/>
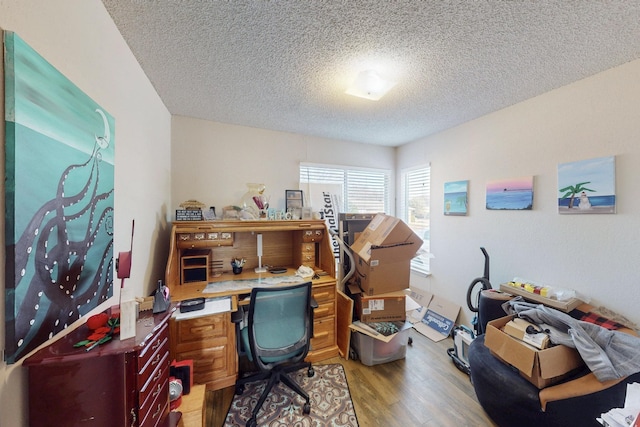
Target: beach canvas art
<point x="510" y="194"/>
<point x="59" y="198"/>
<point x="587" y="186"/>
<point x="455" y="197"/>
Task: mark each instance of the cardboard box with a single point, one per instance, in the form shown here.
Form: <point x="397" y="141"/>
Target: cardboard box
<point x="389" y="307"/>
<point x="436" y="319"/>
<point x="382" y="255"/>
<point x="541" y="367"/>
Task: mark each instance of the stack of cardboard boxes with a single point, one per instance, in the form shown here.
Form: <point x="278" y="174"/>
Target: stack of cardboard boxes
<point x="382" y="256"/>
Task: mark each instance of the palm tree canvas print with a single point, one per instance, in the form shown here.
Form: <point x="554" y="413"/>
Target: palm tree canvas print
<point x="455" y="197"/>
<point x="587" y="186"/>
<point x="59" y="195"/>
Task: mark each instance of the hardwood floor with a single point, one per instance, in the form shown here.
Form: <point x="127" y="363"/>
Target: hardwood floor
<point x="423" y="389"/>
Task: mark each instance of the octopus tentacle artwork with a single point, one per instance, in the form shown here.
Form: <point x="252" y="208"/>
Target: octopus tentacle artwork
<point x="59" y="194"/>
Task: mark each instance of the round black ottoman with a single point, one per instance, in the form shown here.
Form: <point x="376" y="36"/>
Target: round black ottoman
<point x="512" y="401"/>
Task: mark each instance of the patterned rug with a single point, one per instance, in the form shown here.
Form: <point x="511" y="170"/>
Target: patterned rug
<point x="328" y="390"/>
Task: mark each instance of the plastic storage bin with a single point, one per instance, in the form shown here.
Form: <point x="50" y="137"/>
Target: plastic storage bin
<point x="374" y="352"/>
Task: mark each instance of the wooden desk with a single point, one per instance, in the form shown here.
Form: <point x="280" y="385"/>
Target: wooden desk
<point x="192" y="406"/>
<point x="201" y="253"/>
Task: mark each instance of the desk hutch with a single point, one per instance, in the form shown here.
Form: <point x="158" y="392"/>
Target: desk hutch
<point x="200" y="256"/>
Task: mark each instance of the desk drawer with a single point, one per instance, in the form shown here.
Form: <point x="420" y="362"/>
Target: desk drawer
<point x="324" y="332"/>
<point x="209" y="363"/>
<point x="324" y="293"/>
<point x="324" y="310"/>
<point x="201" y="328"/>
<point x="312" y="235"/>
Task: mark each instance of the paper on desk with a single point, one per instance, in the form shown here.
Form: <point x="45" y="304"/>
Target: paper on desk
<point x="211" y="306"/>
<point x="627" y="416"/>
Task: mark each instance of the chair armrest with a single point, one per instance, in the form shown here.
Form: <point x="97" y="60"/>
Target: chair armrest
<point x="236" y="316"/>
<point x="314" y="304"/>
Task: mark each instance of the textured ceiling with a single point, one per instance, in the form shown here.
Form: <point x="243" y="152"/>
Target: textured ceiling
<point x="284" y="65"/>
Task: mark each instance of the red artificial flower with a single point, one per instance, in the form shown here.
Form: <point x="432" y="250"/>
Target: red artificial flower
<point x="97" y="320"/>
<point x="96" y="337"/>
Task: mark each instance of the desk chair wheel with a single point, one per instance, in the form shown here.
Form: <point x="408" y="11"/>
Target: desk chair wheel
<point x="239" y="389"/>
<point x="306" y="409"/>
<point x="311" y="372"/>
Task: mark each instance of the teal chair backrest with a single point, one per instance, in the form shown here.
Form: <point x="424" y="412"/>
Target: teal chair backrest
<point x="279" y="324"/>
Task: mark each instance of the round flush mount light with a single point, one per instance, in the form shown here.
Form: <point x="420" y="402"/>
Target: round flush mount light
<point x="370" y="85"/>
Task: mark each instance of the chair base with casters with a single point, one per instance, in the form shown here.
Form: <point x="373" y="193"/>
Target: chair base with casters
<point x="278" y="375"/>
<point x="273" y="342"/>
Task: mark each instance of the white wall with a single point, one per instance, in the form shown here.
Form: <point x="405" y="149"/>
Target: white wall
<point x="596" y="255"/>
<point x="79" y="38"/>
<point x="212" y="162"/>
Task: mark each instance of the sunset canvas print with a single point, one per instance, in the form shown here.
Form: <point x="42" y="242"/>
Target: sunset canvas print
<point x="510" y="194"/>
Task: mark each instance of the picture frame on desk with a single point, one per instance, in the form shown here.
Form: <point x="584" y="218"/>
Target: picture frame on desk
<point x="293" y="199"/>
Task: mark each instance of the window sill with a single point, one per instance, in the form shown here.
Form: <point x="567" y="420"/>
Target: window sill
<point x="420" y="271"/>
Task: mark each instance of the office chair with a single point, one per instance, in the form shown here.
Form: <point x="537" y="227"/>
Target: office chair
<point x="277" y="339"/>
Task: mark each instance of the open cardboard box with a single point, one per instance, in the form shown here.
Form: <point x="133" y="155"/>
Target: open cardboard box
<point x="434" y="317"/>
<point x="541" y="367"/>
<point x="382" y="255"/>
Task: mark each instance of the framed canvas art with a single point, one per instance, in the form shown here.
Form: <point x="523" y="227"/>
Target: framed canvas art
<point x="59" y="200"/>
<point x="510" y="194"/>
<point x="587" y="186"/>
<point x="455" y="197"/>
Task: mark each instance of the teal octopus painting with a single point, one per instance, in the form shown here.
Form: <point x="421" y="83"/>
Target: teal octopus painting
<point x="59" y="197"/>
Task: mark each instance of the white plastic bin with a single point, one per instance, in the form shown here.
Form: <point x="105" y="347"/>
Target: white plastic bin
<point x="374" y="352"/>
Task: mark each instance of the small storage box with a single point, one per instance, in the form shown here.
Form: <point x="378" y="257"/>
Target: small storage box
<point x="374" y="352"/>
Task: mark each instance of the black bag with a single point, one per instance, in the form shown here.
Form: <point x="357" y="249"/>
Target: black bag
<point x="161" y="298"/>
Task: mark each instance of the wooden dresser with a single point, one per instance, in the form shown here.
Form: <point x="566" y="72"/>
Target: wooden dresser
<point x="120" y="383"/>
<point x="209" y="340"/>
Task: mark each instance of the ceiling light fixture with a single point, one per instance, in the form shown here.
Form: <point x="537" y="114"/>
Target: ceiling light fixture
<point x="369" y="85"/>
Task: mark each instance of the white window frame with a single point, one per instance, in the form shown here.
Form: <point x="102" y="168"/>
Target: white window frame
<point x="352" y="178"/>
<point x="416" y="183"/>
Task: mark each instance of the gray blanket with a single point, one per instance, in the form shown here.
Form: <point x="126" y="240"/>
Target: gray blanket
<point x="609" y="354"/>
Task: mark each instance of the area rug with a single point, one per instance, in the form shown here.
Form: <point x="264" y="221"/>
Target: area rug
<point x="328" y="390"/>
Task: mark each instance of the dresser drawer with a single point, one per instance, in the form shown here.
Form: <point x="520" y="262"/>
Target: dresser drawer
<point x="152" y="349"/>
<point x="154" y="383"/>
<point x="154" y="413"/>
<point x="324" y="332"/>
<point x="158" y="359"/>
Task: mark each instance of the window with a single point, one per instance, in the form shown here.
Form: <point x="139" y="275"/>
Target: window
<point x="415" y="193"/>
<point x="363" y="190"/>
